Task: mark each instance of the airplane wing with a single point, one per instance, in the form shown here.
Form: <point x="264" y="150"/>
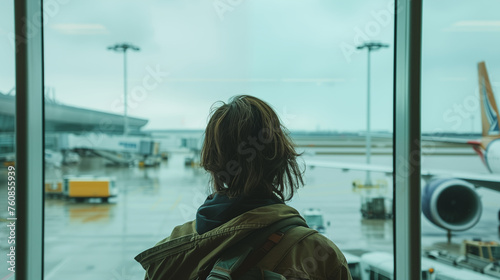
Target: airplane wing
<point x="490" y="181"/>
<point x="430" y="138"/>
<point x="350" y="166"/>
<point x="449" y="140"/>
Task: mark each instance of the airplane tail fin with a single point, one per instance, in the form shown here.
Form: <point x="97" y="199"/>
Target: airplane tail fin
<point x="489" y="111"/>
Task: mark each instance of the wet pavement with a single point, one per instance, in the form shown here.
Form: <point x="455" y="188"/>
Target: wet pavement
<point x="94" y="240"/>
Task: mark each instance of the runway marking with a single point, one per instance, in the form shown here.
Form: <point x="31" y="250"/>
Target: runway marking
<point x="179" y="198"/>
<point x="156" y="203"/>
<point x="51" y="274"/>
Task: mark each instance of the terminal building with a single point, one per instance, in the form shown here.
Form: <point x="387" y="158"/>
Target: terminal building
<point x="60" y="118"/>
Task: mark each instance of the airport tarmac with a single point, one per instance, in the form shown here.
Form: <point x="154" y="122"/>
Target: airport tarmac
<point x="92" y="240"/>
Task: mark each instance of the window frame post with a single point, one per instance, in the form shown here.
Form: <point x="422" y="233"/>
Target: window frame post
<point x="28" y="18"/>
<point x="407" y="212"/>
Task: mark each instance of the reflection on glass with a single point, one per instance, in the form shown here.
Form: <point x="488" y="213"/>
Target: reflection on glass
<point x="460" y="191"/>
<point x="300" y="57"/>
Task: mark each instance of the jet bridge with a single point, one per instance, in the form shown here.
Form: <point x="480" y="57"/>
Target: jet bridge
<point x="120" y="150"/>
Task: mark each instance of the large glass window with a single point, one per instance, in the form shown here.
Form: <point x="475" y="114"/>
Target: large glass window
<point x="7" y="130"/>
<point x="460" y="72"/>
<point x="116" y="183"/>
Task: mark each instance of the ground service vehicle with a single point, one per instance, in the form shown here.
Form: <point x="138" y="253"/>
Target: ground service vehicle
<point x="354" y="265"/>
<point x="479" y="256"/>
<point x="375" y="204"/>
<point x="314" y="219"/>
<point x="482" y="256"/>
<point x="380" y="266"/>
<point x="53" y="188"/>
<point x="82" y="187"/>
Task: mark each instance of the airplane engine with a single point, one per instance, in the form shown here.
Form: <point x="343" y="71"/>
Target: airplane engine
<point x="451" y="204"/>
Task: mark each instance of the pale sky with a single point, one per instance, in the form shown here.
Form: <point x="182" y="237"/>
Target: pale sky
<point x="296" y="55"/>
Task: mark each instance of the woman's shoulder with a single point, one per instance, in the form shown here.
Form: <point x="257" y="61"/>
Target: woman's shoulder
<point x="310" y="255"/>
<point x="321" y="248"/>
<point x="187" y="228"/>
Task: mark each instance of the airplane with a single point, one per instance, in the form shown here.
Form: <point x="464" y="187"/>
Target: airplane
<point x="449" y="199"/>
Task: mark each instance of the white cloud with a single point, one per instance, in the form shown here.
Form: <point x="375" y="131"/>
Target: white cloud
<point x="80" y="29"/>
<point x="475" y="26"/>
<point x="471" y="23"/>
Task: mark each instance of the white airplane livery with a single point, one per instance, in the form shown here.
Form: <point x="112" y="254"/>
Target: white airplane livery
<point x="450" y="200"/>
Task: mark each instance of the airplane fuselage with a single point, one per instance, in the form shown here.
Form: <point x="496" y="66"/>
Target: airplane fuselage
<point x="492" y="156"/>
<point x="489" y="151"/>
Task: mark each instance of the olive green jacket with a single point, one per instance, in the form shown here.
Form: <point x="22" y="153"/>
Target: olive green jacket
<point x="303" y="253"/>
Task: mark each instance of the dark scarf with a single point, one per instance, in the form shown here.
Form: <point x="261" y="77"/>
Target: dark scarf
<point x="219" y="209"/>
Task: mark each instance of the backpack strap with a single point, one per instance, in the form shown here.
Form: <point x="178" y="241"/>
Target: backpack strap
<point x="240" y="258"/>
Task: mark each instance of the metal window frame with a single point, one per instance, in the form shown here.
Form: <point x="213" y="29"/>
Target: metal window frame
<point x="30" y="140"/>
<point x="406" y="161"/>
<point x="28" y="18"/>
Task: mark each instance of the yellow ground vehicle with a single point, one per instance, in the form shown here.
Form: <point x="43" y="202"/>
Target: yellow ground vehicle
<point x="488" y="251"/>
<point x="483" y="256"/>
<point x="82" y="187"/>
<point x="53" y="188"/>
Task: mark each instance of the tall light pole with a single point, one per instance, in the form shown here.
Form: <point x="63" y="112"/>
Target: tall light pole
<point x="371" y="46"/>
<point x="123" y="48"/>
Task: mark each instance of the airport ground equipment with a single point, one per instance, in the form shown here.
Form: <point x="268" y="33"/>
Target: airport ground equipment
<point x="475" y="255"/>
<point x="164" y="156"/>
<point x="380" y="266"/>
<point x="149" y="162"/>
<point x="353" y="262"/>
<point x="53" y="158"/>
<point x="84" y="187"/>
<point x="314" y="219"/>
<point x="120" y="150"/>
<point x="447" y="272"/>
<point x="70" y="157"/>
<point x="192" y="161"/>
<point x="375" y="204"/>
<point x="150" y="152"/>
<point x="53" y="188"/>
<point x="118" y="159"/>
<point x="9" y="163"/>
<point x="483" y="256"/>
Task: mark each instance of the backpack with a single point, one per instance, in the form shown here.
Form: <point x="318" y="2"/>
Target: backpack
<point x="238" y="262"/>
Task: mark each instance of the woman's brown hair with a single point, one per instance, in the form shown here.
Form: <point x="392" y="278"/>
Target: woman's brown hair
<point x="248" y="151"/>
